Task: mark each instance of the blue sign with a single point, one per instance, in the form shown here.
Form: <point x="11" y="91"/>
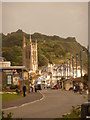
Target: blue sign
<point x="21" y="79"/>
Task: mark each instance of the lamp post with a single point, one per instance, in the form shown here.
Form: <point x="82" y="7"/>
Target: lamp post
<point x="81" y="64"/>
<point x="64" y="70"/>
<point x="88" y="69"/>
<point x="88" y="65"/>
<point x="73" y="65"/>
<point x="76" y="63"/>
<point x="61" y="70"/>
<point x="88" y="60"/>
<point x="56" y="74"/>
<point x="67" y="69"/>
<point x="88" y="54"/>
<point x="85" y="107"/>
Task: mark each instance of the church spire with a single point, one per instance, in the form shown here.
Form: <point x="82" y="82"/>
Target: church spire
<point x="36" y="41"/>
<point x="24" y="43"/>
<point x="30" y="39"/>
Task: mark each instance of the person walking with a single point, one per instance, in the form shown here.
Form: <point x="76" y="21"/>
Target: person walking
<point x="17" y="90"/>
<point x="24" y="90"/>
<point x="32" y="87"/>
<point x="87" y="90"/>
<point x="74" y="88"/>
<point x="35" y="88"/>
<point x="81" y="88"/>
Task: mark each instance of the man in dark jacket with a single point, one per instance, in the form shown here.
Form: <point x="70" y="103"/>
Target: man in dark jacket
<point x="35" y="88"/>
<point x="24" y="90"/>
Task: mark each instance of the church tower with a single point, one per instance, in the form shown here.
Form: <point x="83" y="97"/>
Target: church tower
<point x="24" y="53"/>
<point x="30" y="57"/>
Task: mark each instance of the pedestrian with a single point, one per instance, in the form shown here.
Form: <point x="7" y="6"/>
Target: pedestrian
<point x="17" y="90"/>
<point x="81" y="88"/>
<point x="24" y="90"/>
<point x="87" y="90"/>
<point x="78" y="88"/>
<point x="35" y="88"/>
<point x="32" y="87"/>
<point x="74" y="88"/>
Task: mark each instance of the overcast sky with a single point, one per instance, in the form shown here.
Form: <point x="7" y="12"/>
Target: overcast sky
<point x="63" y="19"/>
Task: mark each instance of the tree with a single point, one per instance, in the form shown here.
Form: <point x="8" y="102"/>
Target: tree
<point x="43" y="61"/>
<point x="85" y="79"/>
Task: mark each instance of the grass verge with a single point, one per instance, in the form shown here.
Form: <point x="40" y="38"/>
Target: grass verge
<point x="9" y="97"/>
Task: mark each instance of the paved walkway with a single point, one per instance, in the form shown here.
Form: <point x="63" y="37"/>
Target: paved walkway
<point x="29" y="98"/>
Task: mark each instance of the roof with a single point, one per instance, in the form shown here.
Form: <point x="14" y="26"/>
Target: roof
<point x="13" y="67"/>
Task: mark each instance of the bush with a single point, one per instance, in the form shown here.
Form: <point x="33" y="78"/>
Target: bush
<point x="75" y="113"/>
<point x="8" y="117"/>
<point x="13" y="86"/>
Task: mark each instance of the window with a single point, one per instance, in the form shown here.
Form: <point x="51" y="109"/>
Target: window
<point x="9" y="79"/>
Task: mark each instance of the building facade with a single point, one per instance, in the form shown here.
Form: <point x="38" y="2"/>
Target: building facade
<point x="12" y="74"/>
<point x="4" y="63"/>
<point x="30" y="57"/>
<point x="66" y="72"/>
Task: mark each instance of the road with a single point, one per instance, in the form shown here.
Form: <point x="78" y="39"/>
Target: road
<point x="54" y="104"/>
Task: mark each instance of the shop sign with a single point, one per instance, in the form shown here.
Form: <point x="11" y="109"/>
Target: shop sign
<point x="7" y="71"/>
<point x="15" y="80"/>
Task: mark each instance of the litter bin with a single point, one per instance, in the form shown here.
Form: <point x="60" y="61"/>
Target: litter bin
<point x="85" y="110"/>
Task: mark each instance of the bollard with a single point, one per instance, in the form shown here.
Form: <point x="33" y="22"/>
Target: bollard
<point x="85" y="110"/>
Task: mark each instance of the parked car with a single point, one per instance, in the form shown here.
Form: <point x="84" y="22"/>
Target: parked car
<point x="55" y="87"/>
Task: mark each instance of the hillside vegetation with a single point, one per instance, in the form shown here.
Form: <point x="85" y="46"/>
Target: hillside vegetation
<point x="53" y="49"/>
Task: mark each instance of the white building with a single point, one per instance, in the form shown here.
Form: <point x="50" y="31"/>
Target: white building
<point x="4" y="64"/>
<point x="78" y="74"/>
<point x="66" y="72"/>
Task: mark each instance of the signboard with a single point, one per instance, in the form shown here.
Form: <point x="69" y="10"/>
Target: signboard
<point x="7" y="71"/>
<point x="25" y="76"/>
<point x="15" y="80"/>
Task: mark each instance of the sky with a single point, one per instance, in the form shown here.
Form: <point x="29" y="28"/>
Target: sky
<point x="65" y="19"/>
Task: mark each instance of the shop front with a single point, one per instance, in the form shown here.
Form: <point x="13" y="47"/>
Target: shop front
<point x="14" y="75"/>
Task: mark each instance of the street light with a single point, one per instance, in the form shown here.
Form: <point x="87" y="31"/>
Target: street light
<point x="67" y="69"/>
<point x="81" y="64"/>
<point x="73" y="65"/>
<point x="87" y="58"/>
<point x="88" y="71"/>
<point x="61" y="70"/>
<point x="85" y="107"/>
<point x="56" y="74"/>
<point x="64" y="70"/>
<point x="76" y="63"/>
